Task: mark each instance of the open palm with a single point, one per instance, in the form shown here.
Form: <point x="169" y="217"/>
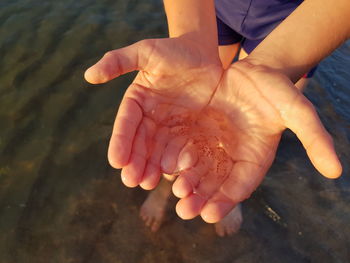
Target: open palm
<point x="218" y="130"/>
<point x="233" y="141"/>
<point x="174" y="78"/>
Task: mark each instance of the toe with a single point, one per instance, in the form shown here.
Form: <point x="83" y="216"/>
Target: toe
<point x="155" y="226"/>
<point x="219" y="230"/>
<point x="149" y="221"/>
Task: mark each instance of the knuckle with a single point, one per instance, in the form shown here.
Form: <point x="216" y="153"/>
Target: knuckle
<point x="147" y="46"/>
<point x="301" y="106"/>
<point x="109" y="55"/>
<point x="308" y="107"/>
<point x="146" y="43"/>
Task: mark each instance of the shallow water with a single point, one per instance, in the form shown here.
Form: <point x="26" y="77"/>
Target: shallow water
<point x="61" y="202"/>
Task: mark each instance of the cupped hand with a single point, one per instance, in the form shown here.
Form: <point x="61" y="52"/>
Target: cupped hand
<point x="176" y="80"/>
<point x="217" y="130"/>
<point x="233" y="140"/>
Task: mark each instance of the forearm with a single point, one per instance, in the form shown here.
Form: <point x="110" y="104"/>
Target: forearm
<point x="309" y="34"/>
<point x="193" y="18"/>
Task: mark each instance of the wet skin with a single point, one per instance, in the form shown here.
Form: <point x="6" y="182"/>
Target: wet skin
<point x="217" y="130"/>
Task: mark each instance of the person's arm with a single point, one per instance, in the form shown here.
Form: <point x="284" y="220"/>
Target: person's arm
<point x="310" y="33"/>
<point x="194" y="19"/>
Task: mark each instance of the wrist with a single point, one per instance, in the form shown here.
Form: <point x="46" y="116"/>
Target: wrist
<point x="193" y="20"/>
<point x="209" y="53"/>
<point x="278" y="63"/>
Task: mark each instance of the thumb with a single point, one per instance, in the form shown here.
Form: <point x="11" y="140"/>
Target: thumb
<point x="118" y="62"/>
<point x="303" y="120"/>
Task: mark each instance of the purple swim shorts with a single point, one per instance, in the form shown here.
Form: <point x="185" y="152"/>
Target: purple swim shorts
<point x="248" y="22"/>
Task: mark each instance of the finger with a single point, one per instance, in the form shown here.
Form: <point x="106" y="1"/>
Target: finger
<point x="182" y="187"/>
<point x="216" y="209"/>
<point x="303" y="120"/>
<point x="190" y="207"/>
<point x="120" y="61"/>
<point x="132" y="173"/>
<point x="188" y="157"/>
<point x="171" y="154"/>
<point x="221" y="168"/>
<point x="188" y="180"/>
<point x="152" y="172"/>
<point x="242" y="181"/>
<point x="208" y="185"/>
<point x="124" y="129"/>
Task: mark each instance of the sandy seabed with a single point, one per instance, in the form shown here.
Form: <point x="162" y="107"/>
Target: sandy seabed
<point x="60" y="201"/>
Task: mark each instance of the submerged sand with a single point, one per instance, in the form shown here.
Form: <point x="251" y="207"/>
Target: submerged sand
<point x="60" y="201"/>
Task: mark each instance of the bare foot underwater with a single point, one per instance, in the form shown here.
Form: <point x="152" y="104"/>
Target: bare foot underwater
<point x="154" y="208"/>
<point x="153" y="211"/>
